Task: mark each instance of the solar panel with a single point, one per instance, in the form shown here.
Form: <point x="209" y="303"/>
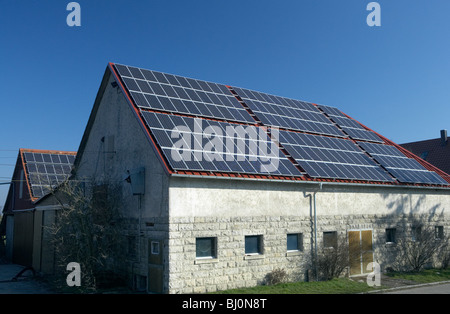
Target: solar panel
<point x="351" y="127"/>
<point x="287" y="113"/>
<point x="196" y="144"/>
<point x="190" y="121"/>
<point x="46" y="170"/>
<point x="327" y="157"/>
<point x="177" y="94"/>
<point x="405" y="169"/>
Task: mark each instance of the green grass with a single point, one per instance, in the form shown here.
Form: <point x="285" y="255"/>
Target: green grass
<point x="341" y="285"/>
<point x="425" y="276"/>
<point x="335" y="286"/>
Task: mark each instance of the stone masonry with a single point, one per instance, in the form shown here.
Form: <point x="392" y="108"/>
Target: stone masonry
<point x="232" y="268"/>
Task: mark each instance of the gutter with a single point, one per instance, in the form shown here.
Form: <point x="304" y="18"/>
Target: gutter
<point x="37" y="208"/>
<point x="192" y="176"/>
<point x="315" y="231"/>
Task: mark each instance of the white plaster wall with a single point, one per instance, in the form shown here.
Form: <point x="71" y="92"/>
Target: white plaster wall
<point x="132" y="149"/>
<point x="190" y="197"/>
<point x="229" y="198"/>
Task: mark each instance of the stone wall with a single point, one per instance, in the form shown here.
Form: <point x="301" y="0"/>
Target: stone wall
<point x="233" y="269"/>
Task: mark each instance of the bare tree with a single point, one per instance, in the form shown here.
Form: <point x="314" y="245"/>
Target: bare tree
<point x="331" y="261"/>
<point x="87" y="230"/>
<point x="421" y="248"/>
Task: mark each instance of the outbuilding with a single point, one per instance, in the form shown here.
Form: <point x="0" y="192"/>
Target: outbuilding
<point x="36" y="174"/>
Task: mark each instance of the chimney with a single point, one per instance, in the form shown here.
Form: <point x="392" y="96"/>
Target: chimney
<point x="444" y="137"/>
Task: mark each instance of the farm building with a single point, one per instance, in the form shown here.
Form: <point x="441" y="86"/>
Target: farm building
<point x="221" y="185"/>
<point x="36" y="174"/>
<point x="224" y="185"/>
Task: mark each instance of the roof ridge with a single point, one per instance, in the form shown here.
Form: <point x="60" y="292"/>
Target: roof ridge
<point x="47" y="151"/>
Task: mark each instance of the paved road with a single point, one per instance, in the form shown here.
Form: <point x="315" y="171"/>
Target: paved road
<point x="424" y="289"/>
<point x="23" y="285"/>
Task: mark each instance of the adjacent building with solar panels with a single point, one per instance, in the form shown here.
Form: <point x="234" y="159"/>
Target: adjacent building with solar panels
<point x="36" y="174"/>
<point x="222" y="184"/>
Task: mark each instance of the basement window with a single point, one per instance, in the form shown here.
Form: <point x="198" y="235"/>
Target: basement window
<point x="253" y="245"/>
<point x="294" y="242"/>
<point x="390" y="235"/>
<point x="205" y="248"/>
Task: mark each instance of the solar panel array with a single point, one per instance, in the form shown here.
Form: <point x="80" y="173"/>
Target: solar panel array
<point x="405" y="169"/>
<point x="287" y="113"/>
<point x="195" y="144"/>
<point x="349" y="126"/>
<point x="327" y="157"/>
<point x="190" y="120"/>
<point x="177" y="94"/>
<point x="46" y="170"/>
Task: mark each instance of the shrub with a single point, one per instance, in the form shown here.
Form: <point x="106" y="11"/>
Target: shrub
<point x="331" y="262"/>
<point x="276" y="276"/>
<point x="422" y="249"/>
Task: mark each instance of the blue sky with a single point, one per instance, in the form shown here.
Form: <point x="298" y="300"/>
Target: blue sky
<point x="393" y="78"/>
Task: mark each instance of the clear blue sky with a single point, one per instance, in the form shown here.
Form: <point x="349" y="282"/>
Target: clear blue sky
<point x="394" y="78"/>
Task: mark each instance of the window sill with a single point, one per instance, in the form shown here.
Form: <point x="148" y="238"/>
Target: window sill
<point x="293" y="253"/>
<point x="205" y="260"/>
<point x="253" y="256"/>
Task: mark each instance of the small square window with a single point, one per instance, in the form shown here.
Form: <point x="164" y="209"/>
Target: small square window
<point x="330" y="239"/>
<point x="205" y="248"/>
<point x="390" y="235"/>
<point x="294" y="242"/>
<point x="155" y="248"/>
<point x="439" y="232"/>
<point x="253" y="244"/>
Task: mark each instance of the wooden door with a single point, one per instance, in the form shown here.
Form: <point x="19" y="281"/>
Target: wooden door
<point x="354" y="252"/>
<point x="360" y="251"/>
<point x="366" y="249"/>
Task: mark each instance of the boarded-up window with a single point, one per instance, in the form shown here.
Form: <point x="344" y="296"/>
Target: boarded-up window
<point x="330" y="239"/>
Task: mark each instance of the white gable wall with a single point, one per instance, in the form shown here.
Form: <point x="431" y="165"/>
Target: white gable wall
<point x="131" y="149"/>
<point x="103" y="161"/>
